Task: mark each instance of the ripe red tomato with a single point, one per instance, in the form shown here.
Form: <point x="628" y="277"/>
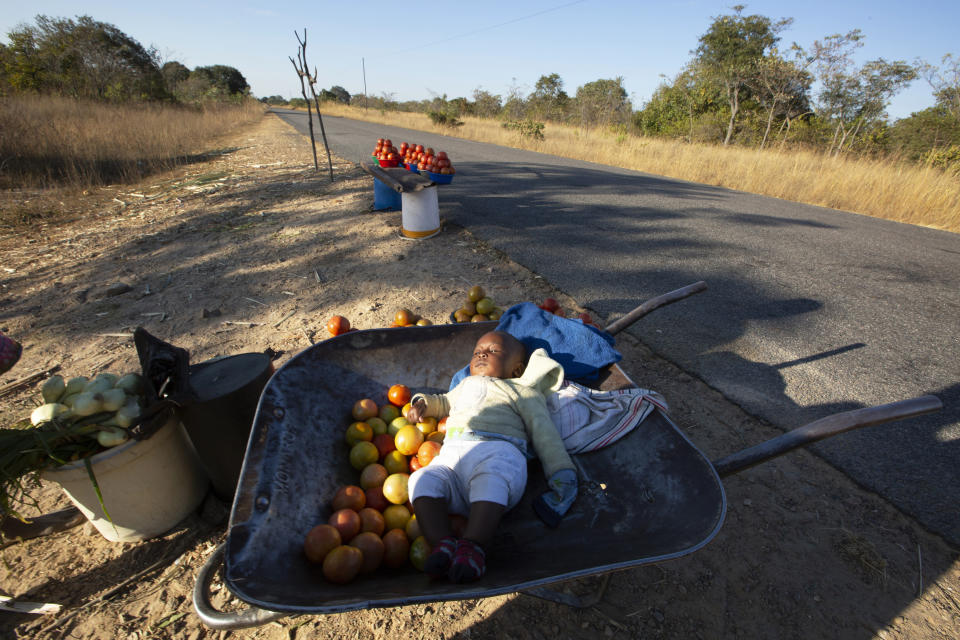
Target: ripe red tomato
<point x="337" y="325"/>
<point x="549" y="304"/>
<point x="442" y="155"/>
<point x="419" y="148"/>
<point x="428" y="151"/>
<point x="387" y="142"/>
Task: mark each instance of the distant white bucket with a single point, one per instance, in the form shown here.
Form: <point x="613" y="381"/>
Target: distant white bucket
<point x="420" y="217"/>
<point x="148" y="486"/>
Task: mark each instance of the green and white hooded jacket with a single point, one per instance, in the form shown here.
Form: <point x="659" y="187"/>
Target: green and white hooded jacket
<point x="514" y="409"/>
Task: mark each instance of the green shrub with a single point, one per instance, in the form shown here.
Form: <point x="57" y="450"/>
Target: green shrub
<point x="443" y="120"/>
<point x="946" y="158"/>
<point x="526" y="128"/>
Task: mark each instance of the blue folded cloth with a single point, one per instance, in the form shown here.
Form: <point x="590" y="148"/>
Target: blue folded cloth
<point x="582" y="350"/>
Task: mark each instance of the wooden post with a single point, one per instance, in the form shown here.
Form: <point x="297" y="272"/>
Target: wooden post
<point x="303" y="92"/>
<point x="311" y="80"/>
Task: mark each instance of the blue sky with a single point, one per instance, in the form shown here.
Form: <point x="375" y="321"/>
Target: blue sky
<point x="414" y="50"/>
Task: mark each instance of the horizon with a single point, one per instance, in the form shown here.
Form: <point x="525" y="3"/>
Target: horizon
<point x="496" y="46"/>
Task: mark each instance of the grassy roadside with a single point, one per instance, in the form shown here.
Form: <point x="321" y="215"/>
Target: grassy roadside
<point x="879" y="188"/>
<point x="54" y="142"/>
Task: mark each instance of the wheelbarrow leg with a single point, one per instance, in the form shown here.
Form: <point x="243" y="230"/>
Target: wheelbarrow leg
<point x="577" y="602"/>
<point x="211" y="617"/>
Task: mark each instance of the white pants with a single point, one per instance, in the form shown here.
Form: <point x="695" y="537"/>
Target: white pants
<point x="467" y="471"/>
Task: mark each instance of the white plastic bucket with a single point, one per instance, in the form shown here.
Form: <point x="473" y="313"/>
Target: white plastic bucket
<point x="148" y="486"/>
<point x="420" y="216"/>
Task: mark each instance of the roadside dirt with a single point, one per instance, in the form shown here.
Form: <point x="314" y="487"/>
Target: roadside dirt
<point x="251" y="250"/>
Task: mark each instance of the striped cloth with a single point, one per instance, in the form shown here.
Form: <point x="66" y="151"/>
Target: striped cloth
<point x="588" y="419"/>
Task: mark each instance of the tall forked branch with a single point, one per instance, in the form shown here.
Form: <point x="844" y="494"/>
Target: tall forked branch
<point x="306" y="80"/>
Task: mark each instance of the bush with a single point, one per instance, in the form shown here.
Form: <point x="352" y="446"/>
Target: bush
<point x="526" y="128"/>
<point x="444" y="120"/>
<point x="946" y="158"/>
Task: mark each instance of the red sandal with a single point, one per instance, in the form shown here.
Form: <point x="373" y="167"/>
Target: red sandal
<point x="469" y="562"/>
<point x="438" y="562"/>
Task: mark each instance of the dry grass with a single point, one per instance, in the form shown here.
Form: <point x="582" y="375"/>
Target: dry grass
<point x="49" y="141"/>
<point x="882" y="189"/>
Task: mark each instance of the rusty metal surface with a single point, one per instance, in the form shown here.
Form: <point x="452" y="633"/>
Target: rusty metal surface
<point x="651" y="497"/>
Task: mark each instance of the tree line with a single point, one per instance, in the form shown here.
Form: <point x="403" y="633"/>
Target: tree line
<point x="88" y="59"/>
<point x="742" y="87"/>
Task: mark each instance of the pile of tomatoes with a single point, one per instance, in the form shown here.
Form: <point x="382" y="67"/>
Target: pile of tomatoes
<point x="386" y="153"/>
<point x="372" y="523"/>
<point x="426" y="159"/>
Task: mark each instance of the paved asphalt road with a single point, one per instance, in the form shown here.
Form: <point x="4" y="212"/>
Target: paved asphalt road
<point x="809" y="311"/>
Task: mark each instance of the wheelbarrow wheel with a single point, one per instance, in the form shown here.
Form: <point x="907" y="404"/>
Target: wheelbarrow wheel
<point x="214" y="619"/>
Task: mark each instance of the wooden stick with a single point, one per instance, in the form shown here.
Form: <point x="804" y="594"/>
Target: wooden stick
<point x="286" y="317"/>
<point x="825" y="428"/>
<point x="19" y="384"/>
<point x="655" y="303"/>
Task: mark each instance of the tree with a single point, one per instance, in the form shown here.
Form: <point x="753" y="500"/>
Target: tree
<point x="515" y="106"/>
<point x="548" y="100"/>
<point x="933" y="128"/>
<point x="780" y="86"/>
<point x="730" y="51"/>
<point x="945" y="82"/>
<point x="226" y="79"/>
<point x="852" y="97"/>
<point x="459" y="106"/>
<point x="174" y="74"/>
<point x="602" y="102"/>
<point x="486" y="104"/>
<point x="338" y="93"/>
<point x="82" y="59"/>
<point x="677" y="105"/>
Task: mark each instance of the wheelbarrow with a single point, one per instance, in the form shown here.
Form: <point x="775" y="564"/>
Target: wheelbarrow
<point x="653" y="496"/>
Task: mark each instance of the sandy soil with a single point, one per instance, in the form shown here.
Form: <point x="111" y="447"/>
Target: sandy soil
<point x="251" y="250"/>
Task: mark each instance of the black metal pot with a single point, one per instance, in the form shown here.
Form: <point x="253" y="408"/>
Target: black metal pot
<point x="224" y="394"/>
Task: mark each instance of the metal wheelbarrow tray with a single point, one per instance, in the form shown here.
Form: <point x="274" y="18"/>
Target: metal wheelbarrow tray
<point x="652" y="496"/>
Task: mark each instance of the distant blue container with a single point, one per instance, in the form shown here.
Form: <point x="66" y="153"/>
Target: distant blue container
<point x="439" y="178"/>
<point x="384" y="197"/>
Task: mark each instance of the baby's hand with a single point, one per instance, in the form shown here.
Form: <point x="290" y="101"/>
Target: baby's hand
<point x="416" y="411"/>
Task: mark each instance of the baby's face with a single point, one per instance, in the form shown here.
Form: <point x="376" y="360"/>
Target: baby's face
<point x="497" y="357"/>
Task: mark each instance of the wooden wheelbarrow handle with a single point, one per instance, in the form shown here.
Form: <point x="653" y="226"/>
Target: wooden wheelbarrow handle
<point x="825" y="428"/>
<point x="655" y="303"/>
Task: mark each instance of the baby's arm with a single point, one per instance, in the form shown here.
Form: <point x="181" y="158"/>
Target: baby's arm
<point x="423" y="405"/>
<point x="557" y="465"/>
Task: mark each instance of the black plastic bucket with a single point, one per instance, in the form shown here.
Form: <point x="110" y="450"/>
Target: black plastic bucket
<point x="225" y="394"/>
